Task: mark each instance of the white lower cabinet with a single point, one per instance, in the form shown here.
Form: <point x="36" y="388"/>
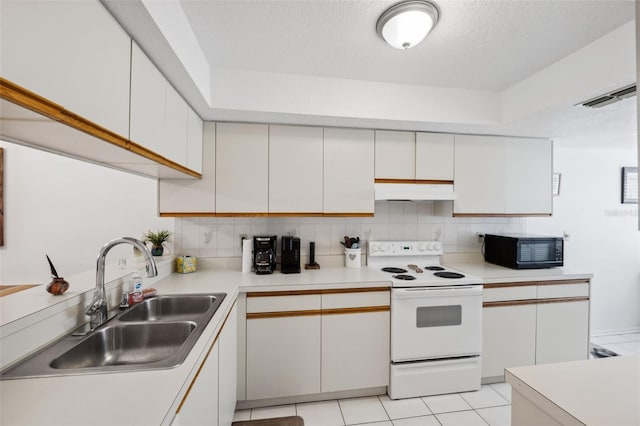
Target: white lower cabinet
<point x="200" y="406"/>
<point x="355" y="351"/>
<point x="508" y="338"/>
<point x="211" y="399"/>
<point x="283" y="356"/>
<point x="311" y="343"/>
<point x="562" y="332"/>
<point x="534" y="323"/>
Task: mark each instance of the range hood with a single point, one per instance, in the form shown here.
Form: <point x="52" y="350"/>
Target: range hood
<point x="414" y="191"/>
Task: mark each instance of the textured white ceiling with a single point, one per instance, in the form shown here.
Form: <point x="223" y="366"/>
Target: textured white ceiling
<point x="477" y="44"/>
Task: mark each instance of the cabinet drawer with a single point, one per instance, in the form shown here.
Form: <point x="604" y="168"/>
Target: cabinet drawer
<point x="498" y="294"/>
<point x="305" y="302"/>
<point x="563" y="290"/>
<point x="356" y="300"/>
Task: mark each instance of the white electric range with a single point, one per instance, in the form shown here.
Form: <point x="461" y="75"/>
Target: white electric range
<point x="436" y="320"/>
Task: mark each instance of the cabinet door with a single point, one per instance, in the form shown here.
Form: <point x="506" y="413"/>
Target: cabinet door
<point x="283" y="356"/>
<point x="72" y="53"/>
<point x="193" y="196"/>
<point x="348" y="171"/>
<point x="194" y="141"/>
<point x="228" y="372"/>
<point x="508" y="338"/>
<point x="148" y="99"/>
<point x="200" y="406"/>
<point x="479" y="175"/>
<point x="173" y="145"/>
<point x="242" y="168"/>
<point x="434" y="156"/>
<point x="355" y="351"/>
<point x="395" y="155"/>
<point x="563" y="332"/>
<point x="529" y="173"/>
<point x="295" y="169"/>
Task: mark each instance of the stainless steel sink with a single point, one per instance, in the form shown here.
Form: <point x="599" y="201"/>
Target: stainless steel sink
<point x="131" y="344"/>
<point x="155" y="334"/>
<point x="170" y="308"/>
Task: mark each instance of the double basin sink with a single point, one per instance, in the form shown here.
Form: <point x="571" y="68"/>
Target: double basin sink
<point x="154" y="334"/>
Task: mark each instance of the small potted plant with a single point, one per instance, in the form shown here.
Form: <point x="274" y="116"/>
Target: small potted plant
<point x="157" y="240"/>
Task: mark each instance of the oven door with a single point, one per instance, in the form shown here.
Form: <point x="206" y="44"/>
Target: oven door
<point x="435" y="322"/>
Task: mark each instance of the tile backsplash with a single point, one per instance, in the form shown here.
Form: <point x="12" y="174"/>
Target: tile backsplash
<point x="402" y="220"/>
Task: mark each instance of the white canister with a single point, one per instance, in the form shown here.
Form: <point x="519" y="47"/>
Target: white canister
<point x="352" y="258"/>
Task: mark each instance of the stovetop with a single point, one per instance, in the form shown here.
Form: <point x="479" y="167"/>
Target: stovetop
<point x="415" y="264"/>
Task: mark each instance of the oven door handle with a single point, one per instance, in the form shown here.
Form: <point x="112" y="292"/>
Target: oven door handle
<point x="422" y="292"/>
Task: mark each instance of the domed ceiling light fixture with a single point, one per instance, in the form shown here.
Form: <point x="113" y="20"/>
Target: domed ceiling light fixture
<point x="406" y="24"/>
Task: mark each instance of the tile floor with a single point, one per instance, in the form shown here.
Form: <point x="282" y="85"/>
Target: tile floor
<point x="488" y="406"/>
<point x="491" y="405"/>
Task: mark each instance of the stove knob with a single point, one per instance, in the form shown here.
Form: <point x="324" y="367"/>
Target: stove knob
<point x="422" y="247"/>
<point x="382" y="249"/>
<point x="430" y="246"/>
<point x="437" y="246"/>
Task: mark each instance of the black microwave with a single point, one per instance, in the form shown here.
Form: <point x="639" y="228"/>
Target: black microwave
<point x="522" y="251"/>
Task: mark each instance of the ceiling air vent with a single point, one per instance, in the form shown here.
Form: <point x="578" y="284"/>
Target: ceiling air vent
<point x="609" y="98"/>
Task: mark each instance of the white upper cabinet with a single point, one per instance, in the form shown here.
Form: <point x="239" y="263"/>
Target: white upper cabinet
<point x="434" y="156"/>
<point x="242" y="168"/>
<point x="295" y="169"/>
<point x="194" y="141"/>
<point x="148" y="99"/>
<point x="71" y="53"/>
<point x="174" y="143"/>
<point x="191" y="195"/>
<point x="479" y="174"/>
<point x="161" y="120"/>
<point x="529" y="186"/>
<point x="395" y="156"/>
<point x="348" y="171"/>
<point x="503" y="176"/>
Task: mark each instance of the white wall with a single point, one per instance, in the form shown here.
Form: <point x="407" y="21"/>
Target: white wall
<point x="68" y="209"/>
<point x="220" y="237"/>
<point x="603" y="234"/>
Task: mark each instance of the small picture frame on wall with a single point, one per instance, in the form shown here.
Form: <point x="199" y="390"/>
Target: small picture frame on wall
<point x="629" y="187"/>
<point x="556" y="184"/>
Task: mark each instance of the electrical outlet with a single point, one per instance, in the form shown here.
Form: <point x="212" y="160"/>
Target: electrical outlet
<point x="480" y="237"/>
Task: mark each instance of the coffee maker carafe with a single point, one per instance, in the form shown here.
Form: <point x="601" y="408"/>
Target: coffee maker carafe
<point x="264" y="254"/>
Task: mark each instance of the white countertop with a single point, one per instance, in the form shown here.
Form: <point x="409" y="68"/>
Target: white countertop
<point x="592" y="392"/>
<point x="491" y="273"/>
<point x="151" y="397"/>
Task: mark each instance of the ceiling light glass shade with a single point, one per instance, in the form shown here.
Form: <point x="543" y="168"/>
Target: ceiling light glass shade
<point x="406" y="24"/>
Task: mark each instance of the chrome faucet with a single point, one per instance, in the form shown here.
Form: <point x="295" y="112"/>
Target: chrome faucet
<point x="98" y="309"/>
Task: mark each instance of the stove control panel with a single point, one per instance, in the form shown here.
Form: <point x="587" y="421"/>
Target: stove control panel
<point x="405" y="248"/>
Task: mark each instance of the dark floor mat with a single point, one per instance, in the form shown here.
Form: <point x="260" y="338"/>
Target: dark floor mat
<point x="276" y="421"/>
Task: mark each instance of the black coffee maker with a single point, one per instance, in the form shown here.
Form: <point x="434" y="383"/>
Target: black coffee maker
<point x="264" y="254"/>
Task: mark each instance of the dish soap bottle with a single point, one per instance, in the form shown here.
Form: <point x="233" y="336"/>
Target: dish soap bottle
<point x="135" y="284"/>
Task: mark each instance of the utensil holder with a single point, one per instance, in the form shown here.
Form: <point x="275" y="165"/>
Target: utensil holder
<point x="352" y="258"/>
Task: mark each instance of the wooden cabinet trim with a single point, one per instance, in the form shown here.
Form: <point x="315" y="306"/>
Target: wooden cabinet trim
<point x="507" y="285"/>
<point x="282" y="293"/>
<point x="283" y="314"/>
<point x="501" y="215"/>
<point x="362" y="310"/>
<point x="322" y="291"/>
<point x="530" y="283"/>
<point x="43" y="106"/>
<point x="560" y="282"/>
<point x="212" y="214"/>
<point x="206" y="357"/>
<point x="533" y="301"/>
<point x="416" y="181"/>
